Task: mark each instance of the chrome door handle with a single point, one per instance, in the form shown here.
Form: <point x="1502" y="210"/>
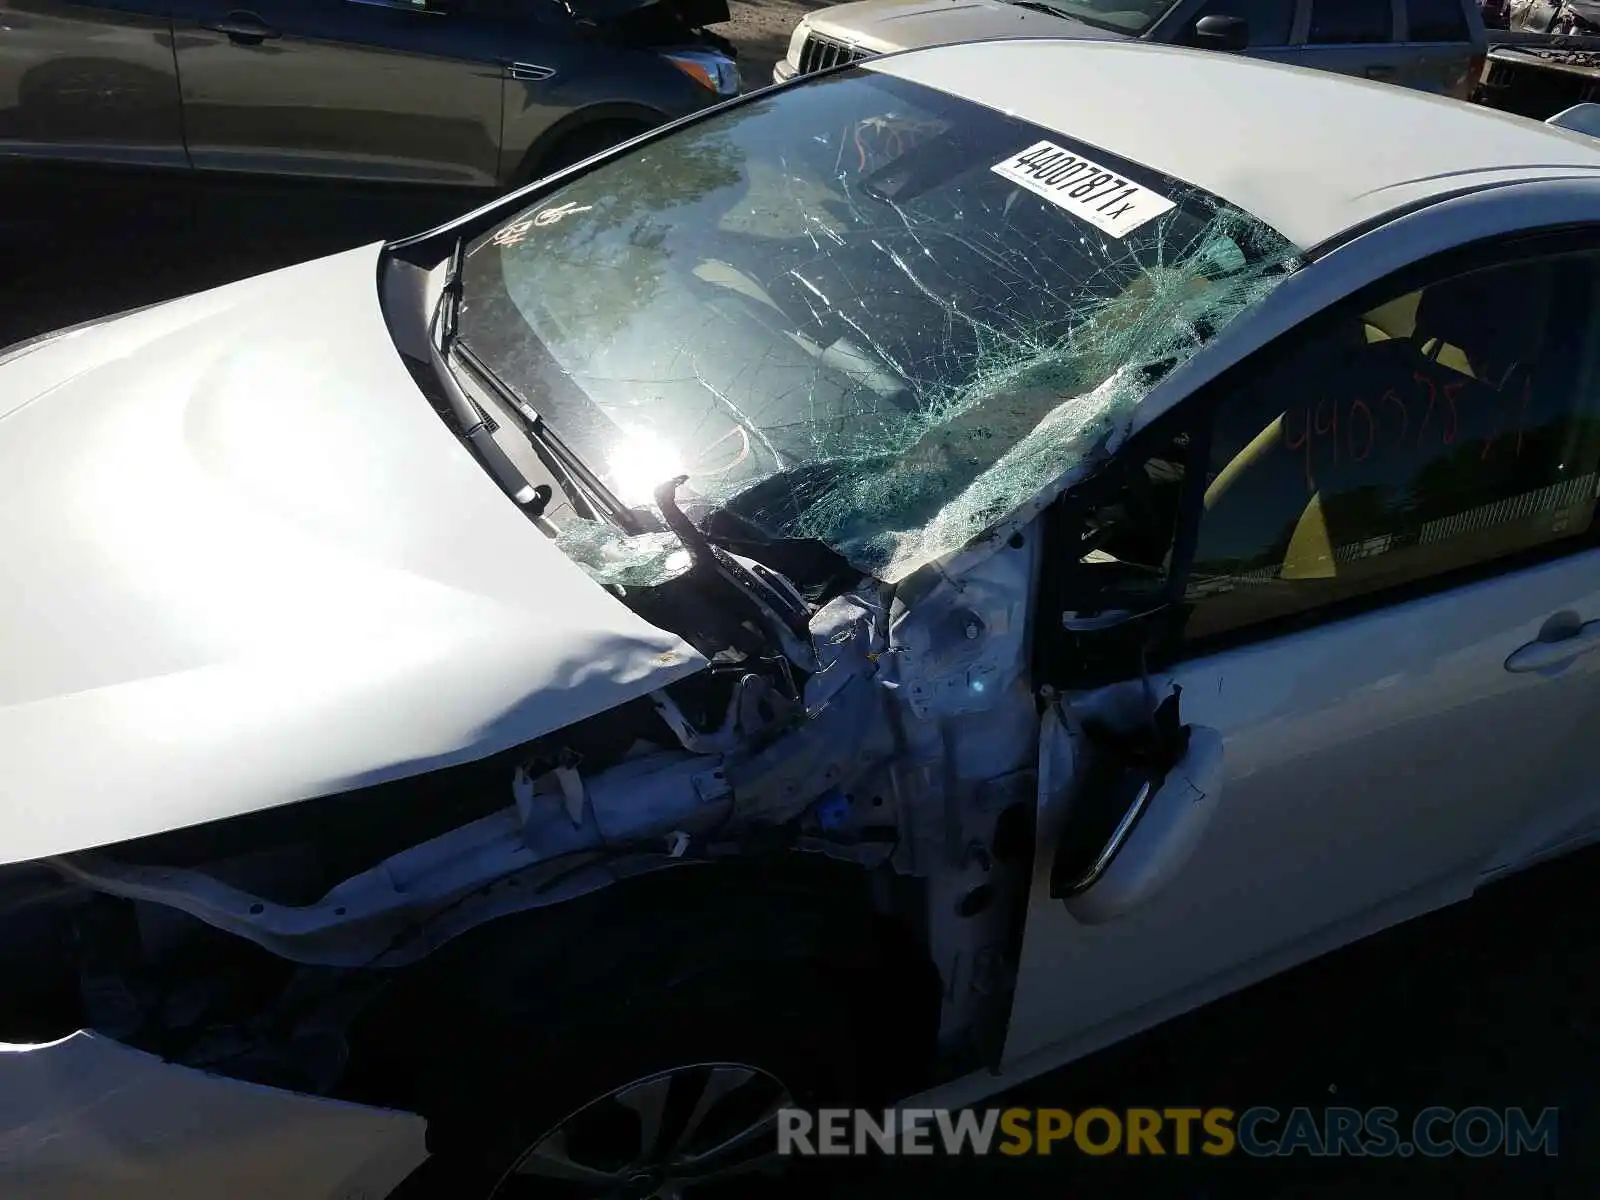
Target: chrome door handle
<point x="243" y="28"/>
<point x="1381" y="71"/>
<point x="1541" y="655"/>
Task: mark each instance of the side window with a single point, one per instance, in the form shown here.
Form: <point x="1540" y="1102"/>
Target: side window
<point x="1445" y="428"/>
<point x="1347" y="22"/>
<point x="1436" y="21"/>
<point x="1269" y="20"/>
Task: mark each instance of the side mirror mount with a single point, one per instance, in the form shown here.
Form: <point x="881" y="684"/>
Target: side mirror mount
<point x="1219" y="32"/>
<point x="1140" y="811"/>
<point x="1155" y="839"/>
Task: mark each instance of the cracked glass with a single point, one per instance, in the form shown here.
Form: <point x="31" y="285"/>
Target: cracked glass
<point x="859" y="311"/>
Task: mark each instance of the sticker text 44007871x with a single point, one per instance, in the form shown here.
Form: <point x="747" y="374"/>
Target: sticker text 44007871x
<point x="1086" y="189"/>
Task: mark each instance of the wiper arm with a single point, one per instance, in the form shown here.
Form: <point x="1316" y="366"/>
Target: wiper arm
<point x="581" y="484"/>
<point x="474" y="428"/>
<point x="761" y="586"/>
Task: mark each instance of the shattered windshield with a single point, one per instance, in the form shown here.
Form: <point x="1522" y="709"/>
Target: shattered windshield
<point x="859" y="311"/>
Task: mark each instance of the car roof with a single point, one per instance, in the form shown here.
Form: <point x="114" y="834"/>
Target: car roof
<point x="1311" y="153"/>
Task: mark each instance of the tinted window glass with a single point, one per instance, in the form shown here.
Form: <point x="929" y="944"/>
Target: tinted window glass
<point x="1437" y="21"/>
<point x="1269" y="20"/>
<point x="1451" y="426"/>
<point x="1342" y="22"/>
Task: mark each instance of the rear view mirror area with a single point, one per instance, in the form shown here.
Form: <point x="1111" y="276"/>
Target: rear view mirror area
<point x="1220" y="32"/>
<point x="1138" y="812"/>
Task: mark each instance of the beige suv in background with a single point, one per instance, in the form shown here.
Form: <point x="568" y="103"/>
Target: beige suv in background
<point x="1431" y="45"/>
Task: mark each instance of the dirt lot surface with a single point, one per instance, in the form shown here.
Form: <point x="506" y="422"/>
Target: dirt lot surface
<point x="761" y="29"/>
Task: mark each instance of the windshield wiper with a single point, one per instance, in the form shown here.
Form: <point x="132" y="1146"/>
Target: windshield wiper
<point x="582" y="485"/>
<point x="473" y="426"/>
<point x="477" y="429"/>
<point x="1073" y="14"/>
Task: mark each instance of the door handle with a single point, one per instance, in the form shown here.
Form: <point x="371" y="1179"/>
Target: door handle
<point x="1555" y="648"/>
<point x="243" y="28"/>
<point x="1380" y="71"/>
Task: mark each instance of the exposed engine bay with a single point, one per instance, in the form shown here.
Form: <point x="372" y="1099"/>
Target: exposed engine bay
<point x="893" y="733"/>
<point x="870" y="704"/>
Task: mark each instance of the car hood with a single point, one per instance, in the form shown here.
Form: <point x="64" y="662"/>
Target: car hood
<point x="693" y="12"/>
<point x="247" y="564"/>
<point x="884" y="25"/>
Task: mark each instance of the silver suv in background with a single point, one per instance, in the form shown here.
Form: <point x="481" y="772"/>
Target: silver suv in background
<point x="472" y="93"/>
<point x="1432" y="45"/>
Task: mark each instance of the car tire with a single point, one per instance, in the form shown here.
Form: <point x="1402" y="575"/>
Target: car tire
<point x="586" y="142"/>
<point x="741" y="1003"/>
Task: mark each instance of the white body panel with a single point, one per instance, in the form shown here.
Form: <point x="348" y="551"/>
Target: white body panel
<point x="1352" y="776"/>
<point x="1372" y="140"/>
<point x="246" y="556"/>
<point x="85" y="1118"/>
<point x="244" y="636"/>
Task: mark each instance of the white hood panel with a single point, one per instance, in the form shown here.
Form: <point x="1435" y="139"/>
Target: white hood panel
<point x="886" y="25"/>
<point x="245" y="563"/>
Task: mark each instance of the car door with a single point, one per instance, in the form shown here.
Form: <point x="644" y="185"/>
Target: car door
<point x="1355" y="37"/>
<point x="378" y="90"/>
<point x="1393" y="580"/>
<point x="1445" y="44"/>
<point x="89" y="81"/>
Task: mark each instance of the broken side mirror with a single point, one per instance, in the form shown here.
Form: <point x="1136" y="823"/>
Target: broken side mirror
<point x="1138" y="815"/>
<point x="1220" y="32"/>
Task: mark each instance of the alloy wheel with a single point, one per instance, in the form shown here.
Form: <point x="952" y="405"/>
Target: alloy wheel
<point x="669" y="1136"/>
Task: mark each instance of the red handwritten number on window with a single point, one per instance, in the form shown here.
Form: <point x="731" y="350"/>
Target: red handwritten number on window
<point x="1359" y="408"/>
<point x="1330" y="428"/>
<point x="1303" y="442"/>
<point x="1305" y="427"/>
<point x="1451" y="391"/>
<point x="1433" y="397"/>
<point x="1390" y="398"/>
<point x="1522" y="422"/>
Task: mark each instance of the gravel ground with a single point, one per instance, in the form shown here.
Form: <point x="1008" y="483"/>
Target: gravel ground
<point x="761" y="29"/>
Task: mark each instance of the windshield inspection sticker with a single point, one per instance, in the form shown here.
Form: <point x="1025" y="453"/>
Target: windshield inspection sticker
<point x="1084" y="188"/>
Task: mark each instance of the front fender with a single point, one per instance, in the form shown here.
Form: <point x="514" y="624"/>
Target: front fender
<point x="86" y="1117"/>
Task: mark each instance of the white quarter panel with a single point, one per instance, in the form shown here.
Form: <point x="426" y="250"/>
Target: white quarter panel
<point x="86" y="1119"/>
<point x="1366" y="761"/>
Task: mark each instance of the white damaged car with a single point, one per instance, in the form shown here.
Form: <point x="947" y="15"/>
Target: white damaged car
<point x="884" y="587"/>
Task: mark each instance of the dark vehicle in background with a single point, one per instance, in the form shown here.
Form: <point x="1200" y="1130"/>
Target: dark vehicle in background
<point x="462" y="93"/>
<point x="1579" y="18"/>
<point x="1582" y="19"/>
<point x="1550" y="60"/>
